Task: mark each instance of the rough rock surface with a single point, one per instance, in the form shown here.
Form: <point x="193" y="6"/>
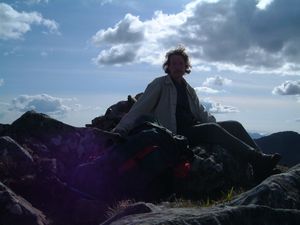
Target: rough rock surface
<point x="15" y="160"/>
<point x="16" y="210"/>
<point x="275" y="201"/>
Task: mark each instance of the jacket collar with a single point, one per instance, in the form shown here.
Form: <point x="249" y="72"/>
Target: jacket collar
<point x="169" y="80"/>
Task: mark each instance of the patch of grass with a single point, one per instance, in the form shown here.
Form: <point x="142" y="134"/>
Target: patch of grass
<point x="118" y="207"/>
<point x="177" y="202"/>
<point x="208" y="202"/>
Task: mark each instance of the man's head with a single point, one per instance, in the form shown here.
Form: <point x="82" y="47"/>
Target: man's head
<point x="177" y="62"/>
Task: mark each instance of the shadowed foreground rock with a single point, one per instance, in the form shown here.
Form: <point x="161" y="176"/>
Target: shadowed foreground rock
<point x="276" y="201"/>
<point x="16" y="210"/>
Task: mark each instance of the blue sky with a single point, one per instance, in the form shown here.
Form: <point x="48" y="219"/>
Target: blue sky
<point x="73" y="59"/>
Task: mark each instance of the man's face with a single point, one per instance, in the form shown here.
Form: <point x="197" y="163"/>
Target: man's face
<point x="177" y="66"/>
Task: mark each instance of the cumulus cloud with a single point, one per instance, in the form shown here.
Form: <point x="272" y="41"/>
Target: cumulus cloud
<point x="250" y="35"/>
<point x="206" y="90"/>
<point x="288" y="88"/>
<point x="42" y="103"/>
<point x="129" y="30"/>
<point x="216" y="81"/>
<point x="263" y="4"/>
<point x="215" y="107"/>
<point x="15" y="24"/>
<point x="119" y="54"/>
<point x="212" y="85"/>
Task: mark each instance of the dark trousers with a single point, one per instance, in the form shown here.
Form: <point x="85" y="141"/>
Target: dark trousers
<point x="229" y="134"/>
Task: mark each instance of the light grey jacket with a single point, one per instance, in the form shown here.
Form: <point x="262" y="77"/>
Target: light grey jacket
<point x="159" y="100"/>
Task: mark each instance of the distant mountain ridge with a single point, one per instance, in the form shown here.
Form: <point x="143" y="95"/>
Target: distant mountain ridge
<point x="256" y="135"/>
<point x="287" y="143"/>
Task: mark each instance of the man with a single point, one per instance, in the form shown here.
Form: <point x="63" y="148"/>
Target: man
<point x="174" y="104"/>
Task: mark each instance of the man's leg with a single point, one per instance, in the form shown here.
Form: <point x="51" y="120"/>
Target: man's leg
<point x="236" y="129"/>
<point x="213" y="133"/>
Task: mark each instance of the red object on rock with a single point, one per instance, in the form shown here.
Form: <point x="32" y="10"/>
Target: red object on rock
<point x="182" y="170"/>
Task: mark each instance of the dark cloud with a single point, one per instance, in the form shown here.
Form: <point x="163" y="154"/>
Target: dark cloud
<point x="240" y="33"/>
<point x="226" y="33"/>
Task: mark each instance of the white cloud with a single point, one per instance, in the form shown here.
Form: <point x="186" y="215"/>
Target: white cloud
<point x="1" y="82"/>
<point x="263" y="4"/>
<point x="288" y="88"/>
<point x="41" y="103"/>
<point x="128" y="30"/>
<point x="201" y="68"/>
<point x="227" y="35"/>
<point x="118" y="54"/>
<point x="215" y="107"/>
<point x="15" y="24"/>
<point x="206" y="90"/>
<point x="216" y="81"/>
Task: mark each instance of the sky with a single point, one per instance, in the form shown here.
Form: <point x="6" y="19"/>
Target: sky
<point x="73" y="59"/>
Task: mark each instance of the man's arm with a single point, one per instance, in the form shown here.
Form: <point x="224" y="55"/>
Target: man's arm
<point x="144" y="105"/>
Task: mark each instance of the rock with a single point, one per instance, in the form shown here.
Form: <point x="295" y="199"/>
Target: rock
<point x="136" y="208"/>
<point x="3" y="128"/>
<point x="276" y="201"/>
<point x="17" y="211"/>
<point x="229" y="215"/>
<point x="49" y="138"/>
<point x="214" y="171"/>
<point x="14" y="159"/>
<point x="278" y="191"/>
<point x="114" y="114"/>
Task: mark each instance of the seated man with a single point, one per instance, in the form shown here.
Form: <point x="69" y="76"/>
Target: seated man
<point x="175" y="105"/>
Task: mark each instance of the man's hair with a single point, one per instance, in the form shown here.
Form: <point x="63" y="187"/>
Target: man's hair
<point x="177" y="51"/>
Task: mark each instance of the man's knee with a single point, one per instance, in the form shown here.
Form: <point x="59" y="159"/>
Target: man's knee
<point x="230" y="124"/>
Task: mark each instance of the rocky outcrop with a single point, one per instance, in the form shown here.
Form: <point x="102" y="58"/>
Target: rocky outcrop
<point x="38" y="157"/>
<point x="48" y="138"/>
<point x="113" y="114"/>
<point x="275" y="201"/>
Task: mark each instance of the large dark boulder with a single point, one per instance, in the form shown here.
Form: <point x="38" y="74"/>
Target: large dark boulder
<point x="52" y="139"/>
<point x="15" y="161"/>
<point x="16" y="210"/>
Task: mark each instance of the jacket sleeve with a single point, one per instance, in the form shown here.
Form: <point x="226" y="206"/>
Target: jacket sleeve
<point x="144" y="105"/>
